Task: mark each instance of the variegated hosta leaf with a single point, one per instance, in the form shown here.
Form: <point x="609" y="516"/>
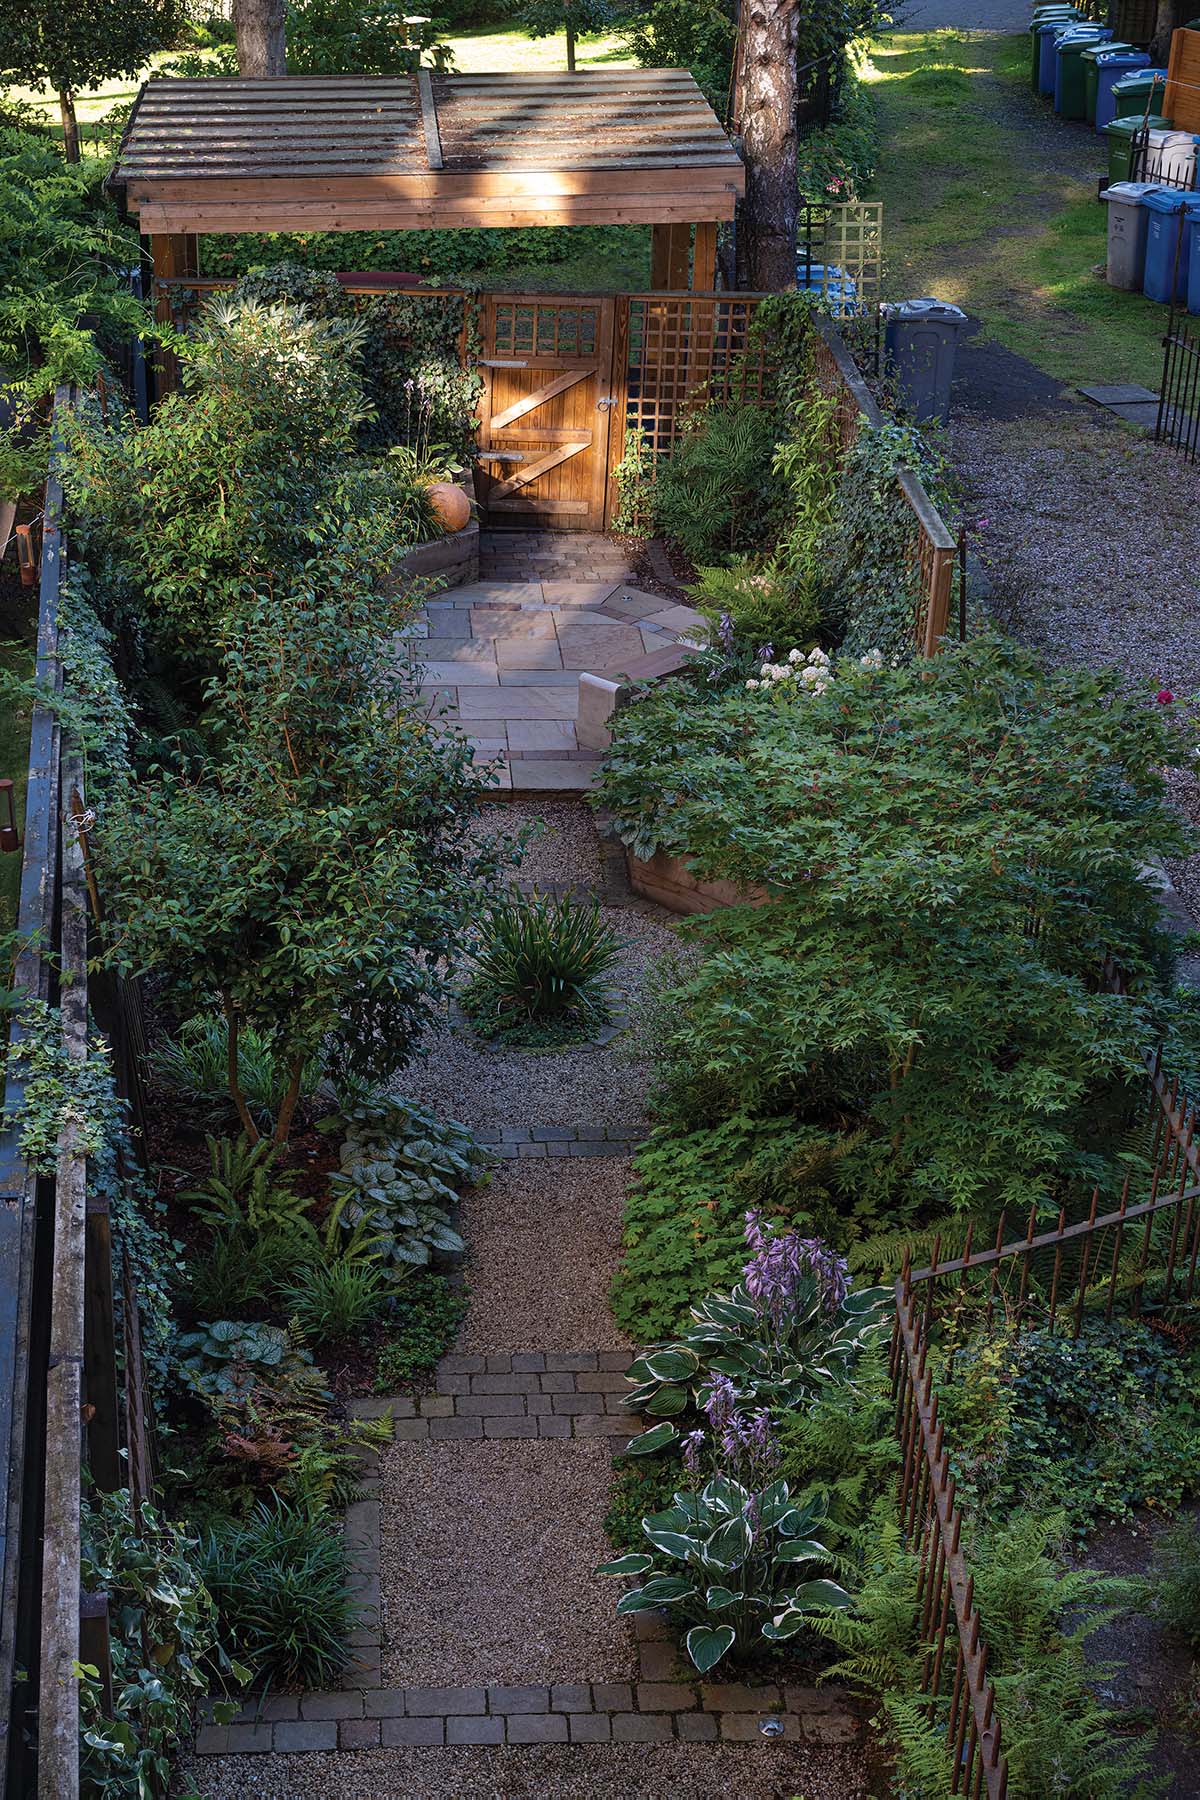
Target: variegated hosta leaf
<point x="667" y="1402"/>
<point x="632" y="1564"/>
<point x="648" y="1443"/>
<point x="727" y="1496"/>
<point x="676" y="1364"/>
<point x="819" y="1593"/>
<point x="718" y="1598"/>
<point x="801" y="1550"/>
<point x="707" y="1644"/>
<point x="671" y="1543"/>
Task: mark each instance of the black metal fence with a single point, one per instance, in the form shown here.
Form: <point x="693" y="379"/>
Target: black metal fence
<point x="1178" y="422"/>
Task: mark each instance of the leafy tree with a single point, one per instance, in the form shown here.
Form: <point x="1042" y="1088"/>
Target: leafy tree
<point x="546" y="18"/>
<point x="82" y="45"/>
<point x="62" y="257"/>
<point x="237" y="475"/>
<point x="684" y="34"/>
<point x="360" y="37"/>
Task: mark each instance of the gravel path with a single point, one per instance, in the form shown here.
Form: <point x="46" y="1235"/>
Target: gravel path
<point x="579" y="1772"/>
<point x="482" y="1084"/>
<point x="1090" y="537"/>
<point x="543" y="1241"/>
<point x="487" y="1564"/>
<point x="563" y="845"/>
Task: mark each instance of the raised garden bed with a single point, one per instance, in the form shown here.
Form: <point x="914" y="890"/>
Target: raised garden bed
<point x="669" y="880"/>
<point x="454" y="558"/>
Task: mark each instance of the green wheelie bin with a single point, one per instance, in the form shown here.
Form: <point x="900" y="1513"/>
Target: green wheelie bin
<point x="1091" y="75"/>
<point x="1120" y="134"/>
<point x="1131" y="93"/>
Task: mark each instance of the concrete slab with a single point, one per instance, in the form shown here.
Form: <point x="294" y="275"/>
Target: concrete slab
<point x="461" y="674"/>
<point x="1124" y="393"/>
<point x="518" y="702"/>
<point x="574" y="777"/>
<point x="528" y="653"/>
<point x="1138" y="412"/>
<point x="541" y="734"/>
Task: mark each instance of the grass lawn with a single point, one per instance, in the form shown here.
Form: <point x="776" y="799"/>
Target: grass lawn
<point x="475" y="53"/>
<point x="18" y="637"/>
<point x="989" y="201"/>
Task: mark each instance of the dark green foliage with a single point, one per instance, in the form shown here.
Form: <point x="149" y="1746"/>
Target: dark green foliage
<point x="1177" y="1580"/>
<point x="641" y="1485"/>
<point x="279" y="1582"/>
<point x="541" y="964"/>
<point x="423" y="1321"/>
<point x="714" y="495"/>
<point x="245" y="1193"/>
<point x="684" y="1216"/>
<point x="85" y="44"/>
<point x="437" y="256"/>
<point x="166" y="1648"/>
<point x="910" y="824"/>
<point x="195" y="1061"/>
<point x="842" y="1450"/>
<point x="330" y="1301"/>
<point x="838" y="160"/>
<point x="1092" y="1427"/>
<point x="62" y="251"/>
<point x="236" y="1273"/>
<point x="401" y="1170"/>
<point x="357" y="37"/>
<point x="764" y="607"/>
<point x="692" y="34"/>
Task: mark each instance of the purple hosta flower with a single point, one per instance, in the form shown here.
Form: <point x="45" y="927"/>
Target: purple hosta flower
<point x="764" y="653"/>
<point x="693" y="1444"/>
<point x="779" y="1264"/>
<point x="747" y="1441"/>
<point x="725" y="633"/>
<point x="721" y="1402"/>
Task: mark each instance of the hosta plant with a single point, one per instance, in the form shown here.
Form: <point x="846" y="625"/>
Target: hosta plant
<point x="732" y="1565"/>
<point x="401" y="1169"/>
<point x="791" y="1326"/>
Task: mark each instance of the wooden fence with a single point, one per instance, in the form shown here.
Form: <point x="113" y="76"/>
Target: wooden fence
<point x="72" y="1384"/>
<point x="1102" y="1263"/>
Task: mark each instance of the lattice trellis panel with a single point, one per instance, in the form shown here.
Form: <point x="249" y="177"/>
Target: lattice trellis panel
<point x="682" y="352"/>
<point x="849" y="238"/>
<point x="530" y="328"/>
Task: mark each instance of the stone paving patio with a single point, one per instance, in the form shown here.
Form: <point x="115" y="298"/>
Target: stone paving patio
<point x="503" y="656"/>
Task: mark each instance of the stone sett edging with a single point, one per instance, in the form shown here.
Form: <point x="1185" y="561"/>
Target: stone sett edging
<point x="520" y="1394"/>
<point x="664" y="1704"/>
<point x="519" y="1142"/>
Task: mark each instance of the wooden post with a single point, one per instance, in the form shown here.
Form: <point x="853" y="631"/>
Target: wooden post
<point x="704" y="258"/>
<point x="100" y="1351"/>
<point x="172" y="255"/>
<point x="670" y="256"/>
<point x="58" y="1710"/>
<point x="95" y="1644"/>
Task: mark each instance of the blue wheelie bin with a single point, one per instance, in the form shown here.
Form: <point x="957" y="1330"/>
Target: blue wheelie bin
<point x="1070" y="94"/>
<point x="1193" y="291"/>
<point x="1110" y="67"/>
<point x="1169" y="236"/>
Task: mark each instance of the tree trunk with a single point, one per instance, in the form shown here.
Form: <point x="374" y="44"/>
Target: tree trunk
<point x="70" y="125"/>
<point x="570" y="49"/>
<point x="260" y="43"/>
<point x="283" y="1123"/>
<point x="765" y="119"/>
<point x="1167" y="19"/>
<point x="233" y="1073"/>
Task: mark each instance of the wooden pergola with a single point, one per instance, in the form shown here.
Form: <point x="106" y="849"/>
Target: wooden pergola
<point x="430" y="151"/>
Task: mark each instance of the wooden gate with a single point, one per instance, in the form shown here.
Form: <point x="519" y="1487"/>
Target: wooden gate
<point x="545" y="410"/>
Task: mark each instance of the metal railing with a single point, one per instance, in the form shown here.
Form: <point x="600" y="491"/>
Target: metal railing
<point x="1178" y="421"/>
<point x="1098" y="1264"/>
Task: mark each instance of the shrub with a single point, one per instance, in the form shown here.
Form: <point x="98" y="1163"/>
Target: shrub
<point x="165" y="1643"/>
<point x="539" y="968"/>
<point x="423" y="1320"/>
<point x="714" y="496"/>
<point x="951" y="852"/>
<point x="1090" y="1427"/>
<point x="1177" y="1581"/>
<point x="236" y="1273"/>
<point x="279" y="1581"/>
<point x="764" y="608"/>
<point x="196" y="1062"/>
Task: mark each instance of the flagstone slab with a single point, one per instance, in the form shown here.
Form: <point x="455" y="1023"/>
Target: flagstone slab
<point x="519" y="702"/>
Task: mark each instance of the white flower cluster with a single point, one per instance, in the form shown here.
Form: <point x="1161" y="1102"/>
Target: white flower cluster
<point x="813" y="672"/>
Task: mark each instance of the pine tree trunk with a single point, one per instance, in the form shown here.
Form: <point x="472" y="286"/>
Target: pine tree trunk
<point x="765" y="118"/>
<point x="70" y="125"/>
<point x="570" y="49"/>
<point x="260" y="39"/>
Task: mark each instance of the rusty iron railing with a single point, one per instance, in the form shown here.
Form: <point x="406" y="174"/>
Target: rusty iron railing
<point x="1057" y="1276"/>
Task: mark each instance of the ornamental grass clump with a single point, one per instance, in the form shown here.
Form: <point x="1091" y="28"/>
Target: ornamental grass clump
<point x="539" y="971"/>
